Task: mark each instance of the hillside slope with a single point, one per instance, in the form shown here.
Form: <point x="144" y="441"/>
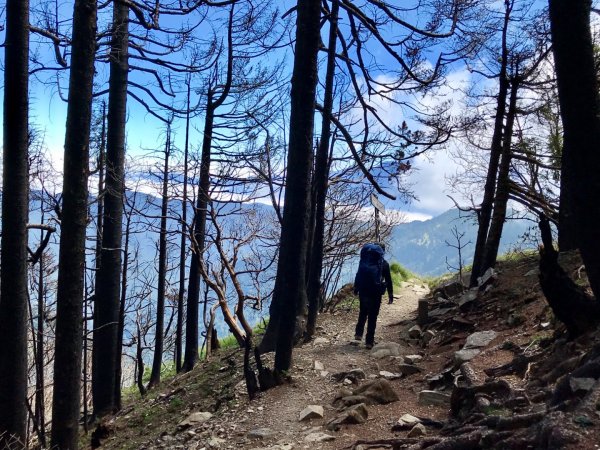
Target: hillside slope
<point x="490" y="369"/>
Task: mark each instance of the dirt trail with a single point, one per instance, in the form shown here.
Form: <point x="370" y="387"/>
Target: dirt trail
<point x="278" y="409"/>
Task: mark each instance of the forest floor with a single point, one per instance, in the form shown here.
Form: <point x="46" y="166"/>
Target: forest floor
<point x="500" y="393"/>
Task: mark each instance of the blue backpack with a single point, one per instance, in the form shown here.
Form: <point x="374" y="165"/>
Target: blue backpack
<point x="369" y="277"/>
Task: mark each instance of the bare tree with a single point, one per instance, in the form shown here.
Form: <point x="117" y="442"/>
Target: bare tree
<point x="13" y="261"/>
<point x="66" y="400"/>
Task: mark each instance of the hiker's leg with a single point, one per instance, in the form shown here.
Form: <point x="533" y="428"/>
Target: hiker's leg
<point x="372" y="323"/>
<point x="362" y="318"/>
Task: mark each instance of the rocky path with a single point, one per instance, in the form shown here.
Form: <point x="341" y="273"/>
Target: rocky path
<point x="272" y="421"/>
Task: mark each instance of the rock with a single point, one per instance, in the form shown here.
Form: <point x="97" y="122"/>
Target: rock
<point x="427" y="336"/>
<point x="417" y="431"/>
<point x="194" y="419"/>
<point x="408" y="369"/>
<point x="378" y="391"/>
<point x="260" y="433"/>
<point x="465" y="355"/>
<point x="581" y="384"/>
<point x="311" y="412"/>
<point x="515" y="319"/>
<point x="321" y="341"/>
<point x="406" y="421"/>
<point x="389" y="375"/>
<point x="215" y="442"/>
<point x="324" y="373"/>
<point x="353" y="375"/>
<point x="433" y="398"/>
<point x="414" y="332"/>
<point x="532" y="273"/>
<point x="412" y="359"/>
<point x="486" y="278"/>
<point x="343" y="392"/>
<point x="392" y="348"/>
<point x="350" y="400"/>
<point x="319" y="437"/>
<point x="480" y="339"/>
<point x="442" y="311"/>
<point x="318" y="365"/>
<point x="467" y="298"/>
<point x="449" y="289"/>
<point x="353" y="415"/>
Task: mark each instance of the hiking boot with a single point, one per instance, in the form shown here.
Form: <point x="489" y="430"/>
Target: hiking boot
<point x="369" y="346"/>
<point x="357" y="338"/>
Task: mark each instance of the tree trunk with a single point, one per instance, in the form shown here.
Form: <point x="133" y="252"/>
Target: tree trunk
<point x="580" y="107"/>
<point x="183" y="244"/>
<point x="40" y="400"/>
<point x="15" y="195"/>
<point x="502" y="188"/>
<point x="567" y="225"/>
<point x="320" y="180"/>
<point x="199" y="238"/>
<point x="123" y="299"/>
<point x="66" y="402"/>
<point x="485" y="211"/>
<point x="290" y="288"/>
<point x="108" y="278"/>
<point x="199" y="233"/>
<point x="162" y="272"/>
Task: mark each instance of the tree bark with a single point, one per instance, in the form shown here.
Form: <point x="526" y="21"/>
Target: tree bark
<point x="108" y="279"/>
<point x="580" y="107"/>
<point x="485" y="211"/>
<point x="290" y="286"/>
<point x="162" y="272"/>
<point x="15" y="198"/>
<point x="502" y="187"/>
<point x="66" y="402"/>
<point x="183" y="244"/>
<point x="321" y="179"/>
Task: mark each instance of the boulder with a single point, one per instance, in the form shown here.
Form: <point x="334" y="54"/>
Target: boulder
<point x="311" y="412"/>
<point x="581" y="384"/>
<point x="417" y="431"/>
<point x="349" y="400"/>
<point x="389" y="348"/>
<point x="449" y="289"/>
<point x="408" y="369"/>
<point x="194" y="419"/>
<point x="427" y="336"/>
<point x="353" y="375"/>
<point x="433" y="398"/>
<point x="389" y="375"/>
<point x="378" y="391"/>
<point x="480" y="339"/>
<point x="412" y="359"/>
<point x="465" y="355"/>
<point x="260" y="433"/>
<point x="406" y="421"/>
<point x="467" y="298"/>
<point x="485" y="279"/>
<point x="415" y="332"/>
<point x="353" y="415"/>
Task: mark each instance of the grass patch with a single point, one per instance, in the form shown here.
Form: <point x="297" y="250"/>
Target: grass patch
<point x="400" y="273"/>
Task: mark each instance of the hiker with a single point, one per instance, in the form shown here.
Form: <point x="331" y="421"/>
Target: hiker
<point x="372" y="279"/>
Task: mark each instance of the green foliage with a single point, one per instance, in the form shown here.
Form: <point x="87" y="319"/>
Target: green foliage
<point x="400" y="273"/>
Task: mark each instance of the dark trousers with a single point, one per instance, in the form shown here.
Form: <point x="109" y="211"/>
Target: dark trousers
<point x="369" y="310"/>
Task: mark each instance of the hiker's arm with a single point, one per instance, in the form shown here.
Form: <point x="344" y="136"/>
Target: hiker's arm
<point x="388" y="282"/>
<point x="356" y="284"/>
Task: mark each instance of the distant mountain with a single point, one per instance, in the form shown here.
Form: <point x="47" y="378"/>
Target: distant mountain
<point x="421" y="246"/>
